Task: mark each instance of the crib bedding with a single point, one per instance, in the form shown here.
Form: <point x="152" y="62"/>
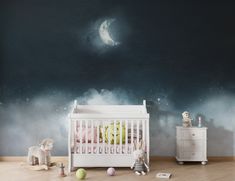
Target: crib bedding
<point x="81" y="135"/>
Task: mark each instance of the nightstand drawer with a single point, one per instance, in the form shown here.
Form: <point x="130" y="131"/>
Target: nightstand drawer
<point x="191" y="134"/>
<point x="192" y="146"/>
<point x="191" y="155"/>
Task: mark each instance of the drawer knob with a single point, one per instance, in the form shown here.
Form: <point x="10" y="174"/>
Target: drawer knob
<point x="193" y="134"/>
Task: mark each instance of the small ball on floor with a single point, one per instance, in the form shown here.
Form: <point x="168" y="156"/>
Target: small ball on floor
<point x="81" y="174"/>
<point x="110" y="171"/>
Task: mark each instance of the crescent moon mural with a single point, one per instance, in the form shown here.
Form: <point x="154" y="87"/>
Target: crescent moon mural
<point x="104" y="33"/>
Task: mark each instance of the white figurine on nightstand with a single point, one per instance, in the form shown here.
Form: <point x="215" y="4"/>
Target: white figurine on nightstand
<point x="187" y="121"/>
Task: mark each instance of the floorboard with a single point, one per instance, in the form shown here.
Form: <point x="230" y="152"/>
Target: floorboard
<point x="213" y="171"/>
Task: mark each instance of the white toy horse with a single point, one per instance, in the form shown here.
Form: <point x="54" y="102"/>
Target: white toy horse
<point x="40" y="155"/>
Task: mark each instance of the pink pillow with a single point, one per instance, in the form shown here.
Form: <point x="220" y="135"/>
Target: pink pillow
<point x="89" y="134"/>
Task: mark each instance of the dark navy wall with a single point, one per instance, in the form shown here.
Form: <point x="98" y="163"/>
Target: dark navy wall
<point x="177" y="55"/>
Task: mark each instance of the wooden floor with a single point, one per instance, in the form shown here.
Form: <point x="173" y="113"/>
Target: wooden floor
<point x="214" y="171"/>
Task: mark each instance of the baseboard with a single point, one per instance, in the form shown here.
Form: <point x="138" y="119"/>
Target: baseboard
<point x="152" y="158"/>
<point x="210" y="158"/>
<point x="221" y="158"/>
<point x="24" y="158"/>
<point x="162" y="158"/>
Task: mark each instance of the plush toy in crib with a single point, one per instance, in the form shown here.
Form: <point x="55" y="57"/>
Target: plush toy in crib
<point x="139" y="166"/>
<point x="40" y="155"/>
<point x="112" y="133"/>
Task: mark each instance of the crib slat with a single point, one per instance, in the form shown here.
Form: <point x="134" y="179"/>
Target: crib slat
<point x="126" y="139"/>
<point x="86" y="136"/>
<point x="115" y="136"/>
<point x="74" y="138"/>
<point x="98" y="137"/>
<point x="132" y="133"/>
<point x="109" y="141"/>
<point x="103" y="138"/>
<point x="143" y="132"/>
<point x="120" y="146"/>
<point x="80" y="146"/>
<point x="147" y="140"/>
<point x="92" y="136"/>
<point x="138" y="131"/>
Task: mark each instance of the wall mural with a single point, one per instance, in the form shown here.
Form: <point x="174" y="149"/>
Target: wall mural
<point x="176" y="55"/>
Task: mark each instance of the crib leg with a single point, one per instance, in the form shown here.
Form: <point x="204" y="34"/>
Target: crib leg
<point x="71" y="169"/>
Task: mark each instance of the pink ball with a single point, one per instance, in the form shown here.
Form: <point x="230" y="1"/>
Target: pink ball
<point x="111" y="171"/>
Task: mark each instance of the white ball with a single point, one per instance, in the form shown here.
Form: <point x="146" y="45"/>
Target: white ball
<point x="110" y="171"/>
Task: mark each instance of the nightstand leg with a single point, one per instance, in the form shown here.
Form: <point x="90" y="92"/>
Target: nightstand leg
<point x="204" y="163"/>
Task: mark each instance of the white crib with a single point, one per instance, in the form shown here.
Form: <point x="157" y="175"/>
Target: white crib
<point x="103" y="135"/>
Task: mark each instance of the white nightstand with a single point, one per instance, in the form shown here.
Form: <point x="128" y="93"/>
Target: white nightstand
<point x="191" y="144"/>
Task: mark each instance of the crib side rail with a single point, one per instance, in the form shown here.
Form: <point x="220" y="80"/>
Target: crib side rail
<point x="107" y="136"/>
<point x="107" y="116"/>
